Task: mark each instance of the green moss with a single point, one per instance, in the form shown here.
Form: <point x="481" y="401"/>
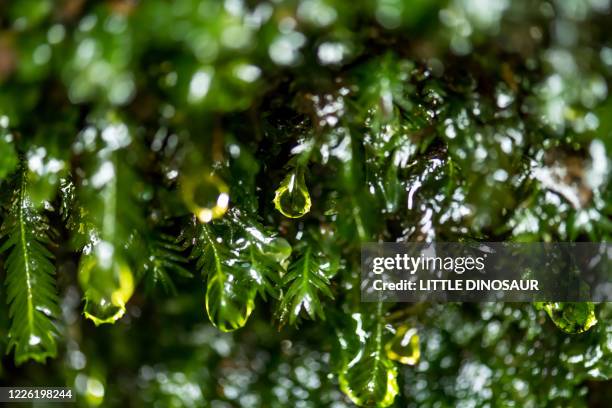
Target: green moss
<point x="234" y="156"/>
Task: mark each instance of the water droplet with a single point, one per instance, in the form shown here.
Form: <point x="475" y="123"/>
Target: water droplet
<point x="107" y="289"/>
<point x="573" y="318"/>
<point x="404" y="347"/>
<point x="207" y="197"/>
<point x="102" y="311"/>
<point x="292" y="198"/>
<point x="278" y="248"/>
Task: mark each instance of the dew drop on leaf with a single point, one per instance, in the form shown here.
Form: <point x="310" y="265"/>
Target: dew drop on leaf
<point x="206" y="196"/>
<point x="292" y="198"/>
<point x="404" y="347"/>
<point x="573" y="317"/>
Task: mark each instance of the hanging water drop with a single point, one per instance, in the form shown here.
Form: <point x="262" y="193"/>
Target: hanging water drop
<point x="101" y="310"/>
<point x="404" y="347"/>
<point x="292" y="198"/>
<point x="107" y="288"/>
<point x="206" y="196"/>
<point x="573" y="317"/>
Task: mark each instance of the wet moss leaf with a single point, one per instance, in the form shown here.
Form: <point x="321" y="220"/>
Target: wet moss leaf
<point x="307" y="282"/>
<point x="572" y="317"/>
<point x="239" y="259"/>
<point x="366" y="374"/>
<point x="371" y="382"/>
<point x="31" y="294"/>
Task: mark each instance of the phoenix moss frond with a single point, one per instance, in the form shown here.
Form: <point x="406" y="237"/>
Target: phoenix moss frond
<point x="31" y="290"/>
